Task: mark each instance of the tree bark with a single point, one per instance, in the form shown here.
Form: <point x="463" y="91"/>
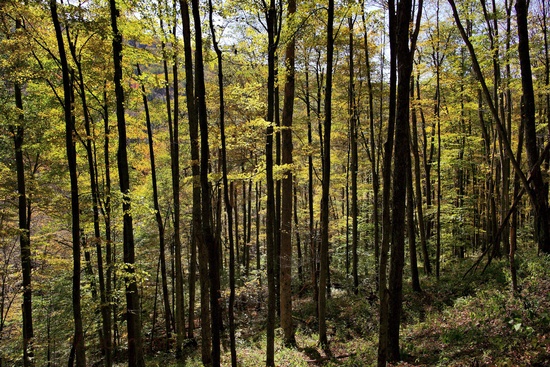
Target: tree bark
<point x="386" y="210"/>
<point x="24" y="213"/>
<point x="271" y="18"/>
<point x="197" y="238"/>
<point x="325" y="195"/>
<point x="373" y="152"/>
<point x="210" y="241"/>
<point x="353" y="163"/>
<point x="418" y="187"/>
<point x="540" y="193"/>
<point x="105" y="333"/>
<point x="287" y="192"/>
<point x="401" y="160"/>
<point x="68" y="100"/>
<point x="133" y="308"/>
<point x="227" y="201"/>
<point x="411" y="233"/>
<point x="160" y="223"/>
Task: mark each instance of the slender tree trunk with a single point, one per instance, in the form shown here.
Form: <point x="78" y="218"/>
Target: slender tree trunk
<point x="173" y="127"/>
<point x="78" y="342"/>
<point x="210" y="241"/>
<point x="68" y="100"/>
<point x="106" y="208"/>
<point x="507" y="116"/>
<point x="258" y="192"/>
<point x="438" y="210"/>
<point x="105" y="333"/>
<point x="418" y="187"/>
<point x="249" y="236"/>
<point x="234" y="203"/>
<point x="197" y="238"/>
<point x="373" y="152"/>
<point x="312" y="236"/>
<point x="325" y="199"/>
<point x="287" y="192"/>
<point x="411" y="233"/>
<point x="298" y="240"/>
<point x="515" y="222"/>
<point x="386" y="180"/>
<point x="227" y="201"/>
<point x="354" y="163"/>
<point x="133" y="311"/>
<point x="277" y="224"/>
<point x="160" y="223"/>
<point x="270" y="205"/>
<point x="18" y="132"/>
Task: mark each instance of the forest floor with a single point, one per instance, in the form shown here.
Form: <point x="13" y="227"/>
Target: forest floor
<point x="471" y="320"/>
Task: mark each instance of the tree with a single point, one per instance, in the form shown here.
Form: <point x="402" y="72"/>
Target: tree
<point x="271" y="19"/>
<point x="24" y="205"/>
<point x="539" y="191"/>
<point x="405" y="43"/>
<point x="68" y="102"/>
<point x="287" y="192"/>
<point x="353" y="160"/>
<point x="227" y="201"/>
<point x="105" y="334"/>
<point x="210" y="241"/>
<point x="133" y="312"/>
<point x="173" y="127"/>
<point x="485" y="93"/>
<point x="158" y="218"/>
<point x="197" y="241"/>
<point x="324" y="271"/>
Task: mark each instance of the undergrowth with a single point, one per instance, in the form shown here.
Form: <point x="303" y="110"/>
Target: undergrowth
<point x="458" y="320"/>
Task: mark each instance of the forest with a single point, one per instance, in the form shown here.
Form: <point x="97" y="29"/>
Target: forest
<point x="274" y="182"/>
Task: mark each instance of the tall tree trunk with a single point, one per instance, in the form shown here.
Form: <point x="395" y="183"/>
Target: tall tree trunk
<point x="227" y="201"/>
<point x="133" y="309"/>
<point x="106" y="209"/>
<point x="271" y="18"/>
<point x="258" y="194"/>
<point x="373" y="152"/>
<point x="540" y="193"/>
<point x="158" y="218"/>
<point x="386" y="210"/>
<point x="437" y="104"/>
<point x="298" y="240"/>
<point x="197" y="238"/>
<point x="18" y="132"/>
<point x="277" y="225"/>
<point x="105" y="334"/>
<point x="324" y="271"/>
<point x="418" y="187"/>
<point x="209" y="239"/>
<point x="404" y="53"/>
<point x="507" y="116"/>
<point x="354" y="162"/>
<point x="312" y="236"/>
<point x="515" y="220"/>
<point x="68" y="100"/>
<point x="411" y="233"/>
<point x="287" y="192"/>
<point x="175" y="167"/>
